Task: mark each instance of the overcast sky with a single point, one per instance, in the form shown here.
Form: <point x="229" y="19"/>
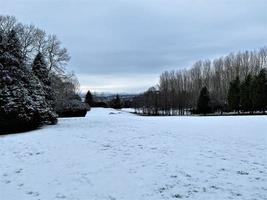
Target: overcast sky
<point x="124" y="45"/>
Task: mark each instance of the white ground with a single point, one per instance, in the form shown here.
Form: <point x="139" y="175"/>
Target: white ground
<point x="121" y="156"/>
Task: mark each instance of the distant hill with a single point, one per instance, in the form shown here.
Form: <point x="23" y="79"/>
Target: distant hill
<point x="107" y="96"/>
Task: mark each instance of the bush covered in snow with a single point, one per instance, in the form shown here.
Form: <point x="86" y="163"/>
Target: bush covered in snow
<point x="67" y="102"/>
<point x="72" y="108"/>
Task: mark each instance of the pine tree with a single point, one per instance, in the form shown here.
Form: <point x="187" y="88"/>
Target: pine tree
<point x="234" y="95"/>
<point x="89" y="98"/>
<point x="203" y="104"/>
<point x="259" y="91"/>
<point x="22" y="99"/>
<point x="10" y="49"/>
<point x="116" y="103"/>
<point x="245" y="94"/>
<point x="40" y="70"/>
<point x="13" y="45"/>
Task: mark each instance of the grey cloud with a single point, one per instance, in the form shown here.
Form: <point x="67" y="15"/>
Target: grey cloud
<point x="124" y="37"/>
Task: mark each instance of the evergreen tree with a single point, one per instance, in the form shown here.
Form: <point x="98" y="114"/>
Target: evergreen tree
<point x="41" y="71"/>
<point x="39" y="68"/>
<point x="116" y="103"/>
<point x="22" y="99"/>
<point x="13" y="45"/>
<point x="203" y="104"/>
<point x="234" y="95"/>
<point x="245" y="94"/>
<point x="259" y="91"/>
<point x="89" y="98"/>
<point x="10" y="49"/>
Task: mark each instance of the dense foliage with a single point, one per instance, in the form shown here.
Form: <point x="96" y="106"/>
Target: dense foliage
<point x="23" y="103"/>
<point x="34" y="87"/>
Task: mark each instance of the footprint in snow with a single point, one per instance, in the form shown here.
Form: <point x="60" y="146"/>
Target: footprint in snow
<point x="60" y="196"/>
<point x="36" y="194"/>
<point x="161" y="190"/>
<point x="236" y="194"/>
<point x="5" y="174"/>
<point x="112" y="198"/>
<point x="214" y="187"/>
<point x="107" y="145"/>
<point x="242" y="173"/>
<point x="177" y="196"/>
<point x="185" y="174"/>
<point x="18" y="171"/>
<point x="20" y="185"/>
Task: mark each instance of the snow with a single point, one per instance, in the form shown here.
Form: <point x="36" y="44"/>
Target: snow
<point x="115" y="155"/>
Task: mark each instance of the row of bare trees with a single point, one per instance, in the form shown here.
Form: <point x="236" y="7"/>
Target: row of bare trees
<point x="178" y="91"/>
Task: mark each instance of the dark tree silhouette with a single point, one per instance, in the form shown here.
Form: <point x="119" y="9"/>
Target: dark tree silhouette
<point x="245" y="94"/>
<point x="259" y="91"/>
<point x="89" y="98"/>
<point x="234" y="95"/>
<point x="116" y="103"/>
<point x="203" y="103"/>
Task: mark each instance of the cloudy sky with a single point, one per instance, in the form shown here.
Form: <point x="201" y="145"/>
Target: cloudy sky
<point x="124" y="45"/>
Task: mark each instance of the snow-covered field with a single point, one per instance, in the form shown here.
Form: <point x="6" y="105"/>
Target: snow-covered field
<point x="116" y="155"/>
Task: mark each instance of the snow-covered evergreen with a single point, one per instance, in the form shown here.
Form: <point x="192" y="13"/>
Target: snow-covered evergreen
<point x="23" y="103"/>
<point x="41" y="71"/>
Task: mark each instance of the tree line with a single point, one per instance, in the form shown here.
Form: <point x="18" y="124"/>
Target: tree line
<point x="236" y="82"/>
<point x="93" y="101"/>
<point x="249" y="95"/>
<point x="34" y="86"/>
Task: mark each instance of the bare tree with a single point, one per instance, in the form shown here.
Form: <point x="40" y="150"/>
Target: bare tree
<point x="57" y="57"/>
<point x="34" y="40"/>
<point x="178" y="91"/>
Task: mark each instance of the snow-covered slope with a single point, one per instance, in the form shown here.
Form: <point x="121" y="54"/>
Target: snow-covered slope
<point x="116" y="155"/>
